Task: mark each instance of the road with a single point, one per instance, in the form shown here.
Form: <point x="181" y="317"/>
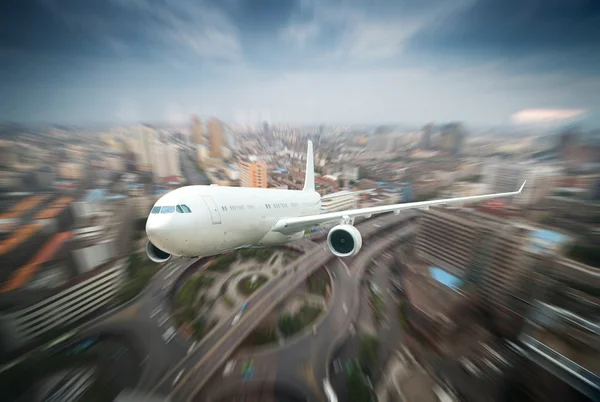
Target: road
<point x="304" y="360"/>
<point x="218" y="345"/>
<point x="389" y="333"/>
<point x="144" y="324"/>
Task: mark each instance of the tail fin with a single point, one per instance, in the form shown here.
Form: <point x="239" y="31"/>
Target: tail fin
<point x="309" y="180"/>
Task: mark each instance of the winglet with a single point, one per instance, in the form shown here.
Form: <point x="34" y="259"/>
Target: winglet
<point x="522" y="185"/>
<point x="309" y="180"/>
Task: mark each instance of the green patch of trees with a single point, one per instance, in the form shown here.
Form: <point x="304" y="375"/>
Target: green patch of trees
<point x="140" y="270"/>
<point x="246" y="287"/>
<point x="292" y="324"/>
<point x="228" y="301"/>
<point x="263" y="336"/>
<point x="358" y="390"/>
<point x="318" y="283"/>
<point x="202" y="328"/>
<point x="379" y="306"/>
<point x="368" y="347"/>
<point x="223" y="263"/>
<point x="260" y="254"/>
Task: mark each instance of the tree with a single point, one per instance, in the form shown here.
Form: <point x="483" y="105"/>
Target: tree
<point x="368" y="349"/>
<point x="358" y="391"/>
<point x="340" y="183"/>
<point x="199" y="328"/>
<point x="187" y="294"/>
<point x="286" y="324"/>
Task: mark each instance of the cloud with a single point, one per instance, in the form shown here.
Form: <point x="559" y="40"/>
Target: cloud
<point x="554" y="34"/>
<point x="301" y="33"/>
<point x="372" y="40"/>
<point x="355" y="31"/>
<point x="144" y="26"/>
<point x="534" y="116"/>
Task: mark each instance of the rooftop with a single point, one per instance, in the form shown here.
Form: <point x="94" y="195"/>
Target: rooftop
<point x="445" y="278"/>
<point x="54" y="209"/>
<point x="23" y="206"/>
<point x="19" y="236"/>
<point x="22" y="275"/>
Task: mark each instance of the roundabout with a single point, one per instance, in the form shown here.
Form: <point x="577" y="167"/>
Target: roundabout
<point x="211" y="294"/>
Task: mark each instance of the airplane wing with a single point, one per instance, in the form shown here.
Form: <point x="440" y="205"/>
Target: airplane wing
<point x="293" y="225"/>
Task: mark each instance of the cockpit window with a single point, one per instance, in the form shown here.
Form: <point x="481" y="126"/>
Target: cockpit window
<point x="186" y="209"/>
<point x="179" y="209"/>
<point x="155" y="210"/>
<point x="167" y="210"/>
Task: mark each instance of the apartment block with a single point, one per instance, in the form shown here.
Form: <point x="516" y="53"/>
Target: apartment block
<point x="478" y="248"/>
<point x="253" y="174"/>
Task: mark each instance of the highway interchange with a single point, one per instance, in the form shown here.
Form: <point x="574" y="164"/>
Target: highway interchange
<point x="173" y="369"/>
<point x="303" y="361"/>
<point x="214" y="350"/>
<point x="180" y="371"/>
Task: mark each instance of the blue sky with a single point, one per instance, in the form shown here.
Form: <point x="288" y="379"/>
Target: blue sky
<point x="304" y="61"/>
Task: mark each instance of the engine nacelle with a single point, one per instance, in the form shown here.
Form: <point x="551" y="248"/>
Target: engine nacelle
<point x="344" y="241"/>
<point x="156" y="254"/>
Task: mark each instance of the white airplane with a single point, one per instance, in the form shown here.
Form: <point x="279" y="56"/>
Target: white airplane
<point x="197" y="221"/>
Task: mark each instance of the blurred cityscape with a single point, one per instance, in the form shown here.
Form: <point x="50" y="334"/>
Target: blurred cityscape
<point x="493" y="301"/>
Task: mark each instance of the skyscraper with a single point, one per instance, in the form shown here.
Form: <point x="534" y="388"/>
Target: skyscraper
<point x="426" y="136"/>
<point x="452" y="138"/>
<point x="197" y="131"/>
<point x="143" y="146"/>
<point x="215" y="131"/>
<point x="480" y="248"/>
<point x="504" y="176"/>
<point x="253" y="174"/>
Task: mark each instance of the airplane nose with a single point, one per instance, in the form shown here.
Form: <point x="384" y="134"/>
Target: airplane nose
<point x="157" y="229"/>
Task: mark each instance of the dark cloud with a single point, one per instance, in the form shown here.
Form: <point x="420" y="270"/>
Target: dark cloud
<point x="81" y="50"/>
<point x="560" y="32"/>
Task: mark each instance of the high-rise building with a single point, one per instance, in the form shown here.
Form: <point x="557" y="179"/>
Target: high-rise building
<point x="253" y="174"/>
<point x="452" y="138"/>
<point x="480" y="248"/>
<point x="197" y="131"/>
<point x="142" y="145"/>
<point x="426" y="136"/>
<point x="165" y="160"/>
<point x="340" y="203"/>
<point x="502" y="176"/>
<point x="215" y="131"/>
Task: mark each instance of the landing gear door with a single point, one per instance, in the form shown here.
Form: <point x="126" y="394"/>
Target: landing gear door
<point x="212" y="207"/>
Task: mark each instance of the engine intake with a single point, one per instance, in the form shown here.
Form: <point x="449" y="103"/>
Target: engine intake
<point x="344" y="241"/>
<point x="156" y="254"/>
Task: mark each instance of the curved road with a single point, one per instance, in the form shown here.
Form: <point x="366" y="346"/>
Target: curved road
<point x="197" y="368"/>
<point x="304" y="361"/>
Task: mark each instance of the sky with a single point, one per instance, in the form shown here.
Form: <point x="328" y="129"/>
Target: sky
<point x="485" y="62"/>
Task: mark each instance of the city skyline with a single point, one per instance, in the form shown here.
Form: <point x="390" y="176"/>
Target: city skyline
<point x="303" y="62"/>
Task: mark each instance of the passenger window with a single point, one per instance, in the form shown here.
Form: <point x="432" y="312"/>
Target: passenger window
<point x="186" y="209"/>
<point x="167" y="210"/>
<point x="179" y="209"/>
<point x="155" y="210"/>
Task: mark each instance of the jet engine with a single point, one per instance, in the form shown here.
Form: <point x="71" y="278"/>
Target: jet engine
<point x="156" y="254"/>
<point x="344" y="241"/>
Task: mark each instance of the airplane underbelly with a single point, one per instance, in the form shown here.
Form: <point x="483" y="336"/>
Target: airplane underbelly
<point x="245" y="233"/>
<point x="276" y="238"/>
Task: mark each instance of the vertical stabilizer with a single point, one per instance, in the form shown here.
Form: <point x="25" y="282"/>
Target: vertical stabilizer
<point x="309" y="180"/>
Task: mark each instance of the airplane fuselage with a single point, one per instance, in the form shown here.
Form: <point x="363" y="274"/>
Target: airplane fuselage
<point x="224" y="218"/>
